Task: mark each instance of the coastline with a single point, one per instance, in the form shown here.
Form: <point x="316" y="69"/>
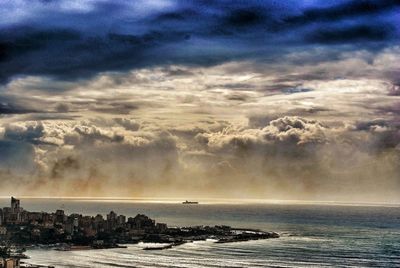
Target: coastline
<point x="57" y="230"/>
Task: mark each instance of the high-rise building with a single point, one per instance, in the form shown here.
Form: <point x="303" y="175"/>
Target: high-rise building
<point x="14" y="215"/>
<point x="15" y="208"/>
<point x="1" y="217"/>
<point x="112" y="220"/>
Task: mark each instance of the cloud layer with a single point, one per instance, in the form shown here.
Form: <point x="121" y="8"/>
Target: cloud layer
<point x="169" y="98"/>
<point x="78" y="39"/>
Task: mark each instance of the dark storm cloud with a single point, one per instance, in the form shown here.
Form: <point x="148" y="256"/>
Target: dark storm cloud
<point x="344" y="10"/>
<point x="351" y="34"/>
<point x="246" y="17"/>
<point x="70" y="41"/>
<point x="53" y="53"/>
<point x="18" y="41"/>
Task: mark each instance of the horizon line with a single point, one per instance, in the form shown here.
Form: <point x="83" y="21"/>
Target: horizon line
<point x="210" y="201"/>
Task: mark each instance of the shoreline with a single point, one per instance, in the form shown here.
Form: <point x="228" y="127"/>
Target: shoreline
<point x="233" y="235"/>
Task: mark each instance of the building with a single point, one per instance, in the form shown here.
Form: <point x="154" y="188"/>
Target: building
<point x="112" y="216"/>
<point x="99" y="223"/>
<point x="99" y="218"/>
<point x="69" y="227"/>
<point x="58" y="227"/>
<point x="35" y="216"/>
<point x="161" y="227"/>
<point x="24" y="216"/>
<point x="60" y="216"/>
<point x="9" y="263"/>
<point x="13" y="213"/>
<point x="15" y="205"/>
<point x="141" y="222"/>
<point x="85" y="221"/>
<point x="112" y="220"/>
<point x="121" y="220"/>
<point x="1" y="217"/>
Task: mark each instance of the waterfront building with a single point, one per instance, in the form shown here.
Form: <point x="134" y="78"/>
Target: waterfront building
<point x="60" y="216"/>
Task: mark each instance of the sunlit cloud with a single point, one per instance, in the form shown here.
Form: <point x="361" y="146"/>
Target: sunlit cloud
<point x="296" y="100"/>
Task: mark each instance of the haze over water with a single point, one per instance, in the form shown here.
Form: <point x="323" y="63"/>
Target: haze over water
<point x="311" y="235"/>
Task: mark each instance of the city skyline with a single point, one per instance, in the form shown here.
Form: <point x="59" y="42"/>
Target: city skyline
<point x="201" y="99"/>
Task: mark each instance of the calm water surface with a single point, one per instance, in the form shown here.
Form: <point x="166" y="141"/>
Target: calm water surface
<point x="311" y="235"/>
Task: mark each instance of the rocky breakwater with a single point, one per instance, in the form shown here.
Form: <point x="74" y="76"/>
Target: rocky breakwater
<point x="176" y="236"/>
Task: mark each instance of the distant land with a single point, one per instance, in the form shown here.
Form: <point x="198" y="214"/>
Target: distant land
<point x="20" y="228"/>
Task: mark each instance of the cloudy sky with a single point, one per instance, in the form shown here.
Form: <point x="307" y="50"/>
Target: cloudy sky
<point x="296" y="99"/>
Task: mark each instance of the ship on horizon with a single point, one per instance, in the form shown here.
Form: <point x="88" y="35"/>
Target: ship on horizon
<point x="190" y="202"/>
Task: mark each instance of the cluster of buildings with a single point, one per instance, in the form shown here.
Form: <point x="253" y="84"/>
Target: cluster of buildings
<point x="24" y="227"/>
<point x="20" y="228"/>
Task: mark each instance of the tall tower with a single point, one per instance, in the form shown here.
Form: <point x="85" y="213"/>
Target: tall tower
<point x="14" y="205"/>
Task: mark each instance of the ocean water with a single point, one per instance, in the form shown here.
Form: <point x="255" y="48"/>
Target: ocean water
<point x="311" y="235"/>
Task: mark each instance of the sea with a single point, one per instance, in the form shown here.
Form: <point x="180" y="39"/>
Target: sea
<point x="312" y="234"/>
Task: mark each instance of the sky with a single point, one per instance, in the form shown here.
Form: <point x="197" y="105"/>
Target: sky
<point x="296" y="100"/>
